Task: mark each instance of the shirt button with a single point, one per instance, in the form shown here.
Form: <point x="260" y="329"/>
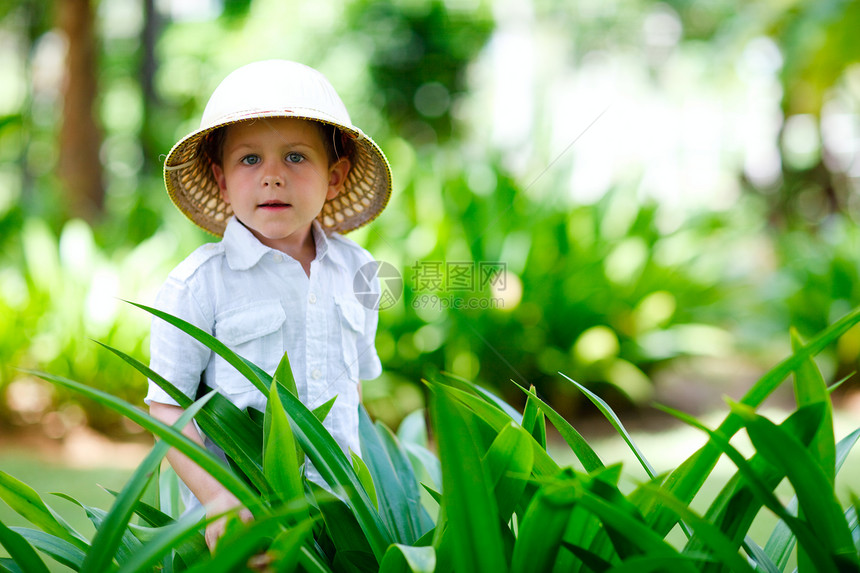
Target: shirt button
<point x="277" y="257"/>
<point x="316" y="374"/>
<point x="312" y="298"/>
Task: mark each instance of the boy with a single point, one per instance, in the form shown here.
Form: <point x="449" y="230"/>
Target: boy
<point x="278" y="170"/>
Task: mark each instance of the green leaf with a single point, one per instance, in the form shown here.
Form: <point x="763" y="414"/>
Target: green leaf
<point x="812" y="486"/>
<point x="364" y="477"/>
<point x="287" y="546"/>
<point x="723" y="549"/>
<point x="111" y="529"/>
<point x="509" y="464"/>
<point x="28" y="504"/>
<point x="781" y="542"/>
<point x="810" y="388"/>
<point x="21" y="551"/>
<point x="281" y="462"/>
<point x="542" y="528"/>
<point x="335" y="469"/>
<point x="408" y="559"/>
<point x="616" y="423"/>
<point x="58" y="549"/>
<point x="321" y="411"/>
<point x="198" y="454"/>
<point x="394" y="481"/>
<point x="534" y="421"/>
<point x="686" y="480"/>
<point x="253" y="373"/>
<point x="578" y="445"/>
<point x="175" y="535"/>
<point x="473" y="518"/>
<point x="243" y="443"/>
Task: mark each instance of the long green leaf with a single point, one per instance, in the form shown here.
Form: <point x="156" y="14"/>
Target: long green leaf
<point x="244" y="367"/>
<point x="21" y="551"/>
<point x="725" y="550"/>
<point x="58" y="549"/>
<point x="109" y="534"/>
<point x="473" y="518"/>
<point x="578" y="445"/>
<point x="762" y="491"/>
<point x="534" y="421"/>
<point x="198" y="454"/>
<point x="335" y="469"/>
<point x="542" y="529"/>
<point x="782" y="541"/>
<point x="243" y="443"/>
<point x="28" y="504"/>
<point x="280" y="454"/>
<point x="810" y="388"/>
<point x="813" y="488"/>
<point x="166" y="539"/>
<point x="613" y="418"/>
<point x="686" y="480"/>
<point x="509" y="464"/>
<point x="408" y="559"/>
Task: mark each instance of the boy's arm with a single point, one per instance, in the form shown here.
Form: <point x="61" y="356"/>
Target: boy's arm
<point x="214" y="497"/>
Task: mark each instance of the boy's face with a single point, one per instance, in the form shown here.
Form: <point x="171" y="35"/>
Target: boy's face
<point x="276" y="175"/>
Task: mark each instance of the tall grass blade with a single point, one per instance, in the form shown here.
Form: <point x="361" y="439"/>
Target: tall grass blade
<point x="800" y="528"/>
<point x="814" y="491"/>
<point x="578" y="445"/>
<point x="168" y="538"/>
<point x="253" y="374"/>
<point x="616" y="423"/>
<point x="335" y="469"/>
<point x="724" y="550"/>
<point x="58" y="549"/>
<point x="198" y="454"/>
<point x="473" y="518"/>
<point x="110" y="532"/>
<point x="542" y="529"/>
<point x="686" y="480"/>
<point x="534" y="421"/>
<point x="394" y="481"/>
<point x="408" y="559"/>
<point x="243" y="443"/>
<point x="509" y="464"/>
<point x="28" y="504"/>
<point x="21" y="552"/>
<point x="280" y="453"/>
<point x="810" y="388"/>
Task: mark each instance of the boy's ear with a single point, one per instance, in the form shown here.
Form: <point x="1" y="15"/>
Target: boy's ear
<point x="337" y="177"/>
<point x="218" y="174"/>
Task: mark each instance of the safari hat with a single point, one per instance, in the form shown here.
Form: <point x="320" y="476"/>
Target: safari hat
<point x="275" y="89"/>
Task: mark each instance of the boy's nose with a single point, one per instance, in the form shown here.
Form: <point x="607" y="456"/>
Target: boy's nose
<point x="272" y="180"/>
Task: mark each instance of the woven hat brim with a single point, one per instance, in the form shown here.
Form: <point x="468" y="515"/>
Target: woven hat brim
<point x="193" y="189"/>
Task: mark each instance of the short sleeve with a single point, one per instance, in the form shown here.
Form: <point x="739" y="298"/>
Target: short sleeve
<point x="175" y="355"/>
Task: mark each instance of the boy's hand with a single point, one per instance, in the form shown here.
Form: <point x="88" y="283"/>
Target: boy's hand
<point x="224" y="502"/>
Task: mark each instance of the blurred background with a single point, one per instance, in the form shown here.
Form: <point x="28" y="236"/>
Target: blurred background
<point x="643" y="195"/>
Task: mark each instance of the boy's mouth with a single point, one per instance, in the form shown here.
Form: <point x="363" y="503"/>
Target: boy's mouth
<point x="274" y="205"/>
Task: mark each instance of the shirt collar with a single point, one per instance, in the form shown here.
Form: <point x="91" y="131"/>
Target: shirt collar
<point x="244" y="250"/>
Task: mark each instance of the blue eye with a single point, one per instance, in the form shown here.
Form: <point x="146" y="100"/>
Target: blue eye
<point x="251" y="159"/>
<point x="294" y="157"/>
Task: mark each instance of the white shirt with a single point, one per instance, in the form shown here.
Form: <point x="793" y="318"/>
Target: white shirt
<point x="260" y="303"/>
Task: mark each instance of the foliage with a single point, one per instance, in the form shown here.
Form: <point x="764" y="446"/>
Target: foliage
<point x="609" y="289"/>
<point x="493" y="500"/>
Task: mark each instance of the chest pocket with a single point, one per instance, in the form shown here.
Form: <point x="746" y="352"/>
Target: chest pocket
<point x="351" y="319"/>
<point x="254" y="332"/>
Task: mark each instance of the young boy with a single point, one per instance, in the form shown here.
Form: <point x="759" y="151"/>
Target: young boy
<point x="279" y="171"/>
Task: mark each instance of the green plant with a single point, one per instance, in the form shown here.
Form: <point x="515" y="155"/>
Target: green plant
<point x="494" y="500"/>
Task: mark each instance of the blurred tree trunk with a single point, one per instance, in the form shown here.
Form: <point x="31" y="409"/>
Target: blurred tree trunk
<point x="79" y="168"/>
<point x="148" y="67"/>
